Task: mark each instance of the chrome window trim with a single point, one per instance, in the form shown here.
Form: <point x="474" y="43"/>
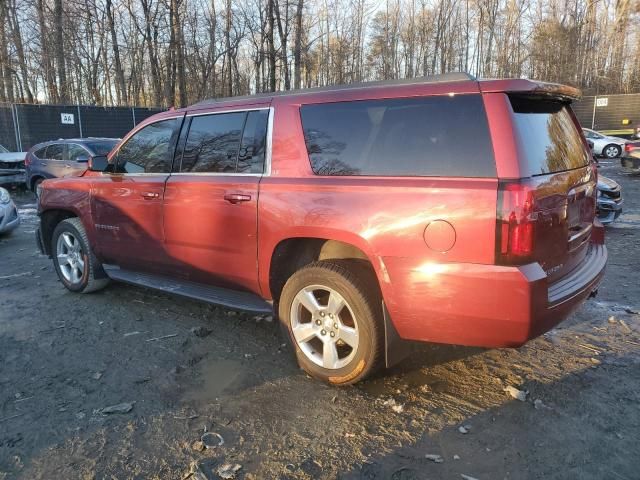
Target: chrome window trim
<point x="267" y="153"/>
<point x="269" y="147"/>
<point x="233" y="110"/>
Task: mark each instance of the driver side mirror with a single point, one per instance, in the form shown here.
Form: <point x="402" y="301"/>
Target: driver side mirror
<point x="99" y="163"/>
<point x="82" y="159"/>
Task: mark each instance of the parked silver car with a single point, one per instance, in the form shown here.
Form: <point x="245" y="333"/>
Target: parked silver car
<point x="603" y="145"/>
<point x="609" y="201"/>
<point x="9" y="218"/>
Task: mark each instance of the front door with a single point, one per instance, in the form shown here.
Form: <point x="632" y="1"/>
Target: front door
<point x="211" y="201"/>
<point x="127" y="203"/>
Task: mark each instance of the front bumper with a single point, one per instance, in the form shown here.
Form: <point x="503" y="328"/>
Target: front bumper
<point x="9" y="218"/>
<point x="486" y="305"/>
<point x="608" y="210"/>
<point x="12" y="177"/>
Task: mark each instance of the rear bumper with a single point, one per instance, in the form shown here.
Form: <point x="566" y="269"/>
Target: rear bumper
<point x="486" y="305"/>
<point x="630" y="164"/>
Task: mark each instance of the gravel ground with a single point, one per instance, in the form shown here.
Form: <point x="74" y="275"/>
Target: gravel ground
<point x="64" y="357"/>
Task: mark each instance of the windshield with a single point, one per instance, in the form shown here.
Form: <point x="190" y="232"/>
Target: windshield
<point x="102" y="147"/>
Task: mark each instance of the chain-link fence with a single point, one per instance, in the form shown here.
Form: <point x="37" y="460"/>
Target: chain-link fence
<point x="22" y="125"/>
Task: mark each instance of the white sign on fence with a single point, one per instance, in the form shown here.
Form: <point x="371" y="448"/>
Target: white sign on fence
<point x="602" y="102"/>
<point x="67" y="118"/>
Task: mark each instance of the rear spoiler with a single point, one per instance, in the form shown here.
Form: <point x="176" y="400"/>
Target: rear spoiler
<point x="532" y="87"/>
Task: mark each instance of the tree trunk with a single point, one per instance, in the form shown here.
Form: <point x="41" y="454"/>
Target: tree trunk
<point x="297" y="46"/>
<point x="121" y="89"/>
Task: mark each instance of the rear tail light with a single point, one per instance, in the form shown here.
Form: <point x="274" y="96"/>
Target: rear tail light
<point x="27" y="161"/>
<point x="515" y="223"/>
<point x="628" y="147"/>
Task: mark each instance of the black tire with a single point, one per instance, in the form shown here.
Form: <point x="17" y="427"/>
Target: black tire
<point x="356" y="282"/>
<point x="35" y="185"/>
<point x="93" y="277"/>
<point x="609" y="150"/>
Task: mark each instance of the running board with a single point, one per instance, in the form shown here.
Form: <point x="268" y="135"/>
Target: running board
<point x="233" y="299"/>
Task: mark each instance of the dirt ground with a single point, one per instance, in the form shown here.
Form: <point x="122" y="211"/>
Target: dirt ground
<point x="63" y="357"/>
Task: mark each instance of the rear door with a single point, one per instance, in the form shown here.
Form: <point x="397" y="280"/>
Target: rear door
<point x="211" y="199"/>
<point x="52" y="165"/>
<point x="76" y="159"/>
<point x="555" y="157"/>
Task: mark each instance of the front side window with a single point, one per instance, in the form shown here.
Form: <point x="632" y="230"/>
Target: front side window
<point x="55" y="152"/>
<point x="213" y="142"/>
<point x="418" y="136"/>
<point x="149" y="150"/>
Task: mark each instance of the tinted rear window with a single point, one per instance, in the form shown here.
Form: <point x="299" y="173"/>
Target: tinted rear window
<point x="550" y="139"/>
<point x="420" y="136"/>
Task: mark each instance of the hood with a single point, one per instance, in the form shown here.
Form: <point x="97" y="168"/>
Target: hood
<point x="12" y="157"/>
<point x="607" y="184"/>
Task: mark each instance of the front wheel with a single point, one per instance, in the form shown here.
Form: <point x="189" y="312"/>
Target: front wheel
<point x="332" y="312"/>
<point x="77" y="267"/>
<point x="612" y="151"/>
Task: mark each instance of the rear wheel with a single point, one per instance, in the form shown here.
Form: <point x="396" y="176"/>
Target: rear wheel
<point x="73" y="259"/>
<point x="332" y="312"/>
<point x="612" y="151"/>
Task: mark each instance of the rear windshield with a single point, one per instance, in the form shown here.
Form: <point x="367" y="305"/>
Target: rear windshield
<point x="418" y="136"/>
<point x="551" y="142"/>
<point x="101" y="148"/>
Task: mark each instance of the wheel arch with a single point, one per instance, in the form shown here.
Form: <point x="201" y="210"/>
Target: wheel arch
<point x="291" y="254"/>
<point x="49" y="219"/>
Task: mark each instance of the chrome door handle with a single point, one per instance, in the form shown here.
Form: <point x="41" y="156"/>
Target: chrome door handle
<point x="150" y="195"/>
<point x="236" y="198"/>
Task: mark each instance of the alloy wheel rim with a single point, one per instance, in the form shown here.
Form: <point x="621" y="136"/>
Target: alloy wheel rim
<point x="70" y="258"/>
<point x="611" y="152"/>
<point x="324" y="327"/>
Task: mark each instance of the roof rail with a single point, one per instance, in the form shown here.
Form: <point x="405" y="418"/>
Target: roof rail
<point x="439" y="78"/>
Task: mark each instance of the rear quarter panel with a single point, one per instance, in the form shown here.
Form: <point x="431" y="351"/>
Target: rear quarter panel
<point x="385" y="217"/>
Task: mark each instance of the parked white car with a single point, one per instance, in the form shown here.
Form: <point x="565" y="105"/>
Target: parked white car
<point x="12" y="168"/>
<point x="609" y="147"/>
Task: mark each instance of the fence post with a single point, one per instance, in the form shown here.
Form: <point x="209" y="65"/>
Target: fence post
<point x="133" y="114"/>
<point x="593" y="117"/>
<point x="79" y="121"/>
<point x="16" y="126"/>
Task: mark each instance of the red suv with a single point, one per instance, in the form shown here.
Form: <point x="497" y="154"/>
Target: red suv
<point x="442" y="209"/>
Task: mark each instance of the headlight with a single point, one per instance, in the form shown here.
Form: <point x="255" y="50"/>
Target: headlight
<point x="4" y="196"/>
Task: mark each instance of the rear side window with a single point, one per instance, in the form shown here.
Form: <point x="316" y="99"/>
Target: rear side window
<point x="420" y="136"/>
<point x="41" y="153"/>
<point x="550" y="140"/>
<point x="253" y="146"/>
<point x="54" y="152"/>
<point x="213" y="142"/>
